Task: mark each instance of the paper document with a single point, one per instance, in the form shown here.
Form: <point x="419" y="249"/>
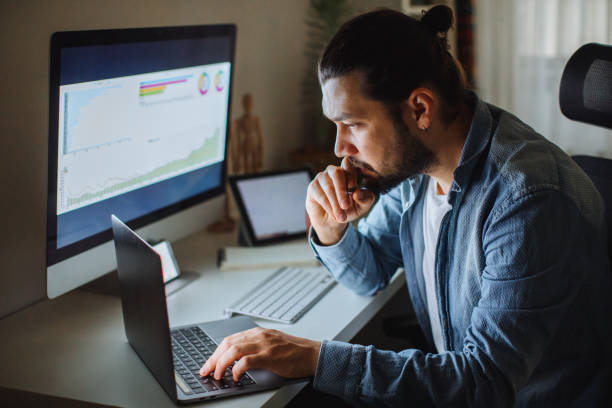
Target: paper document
<point x="269" y="256"/>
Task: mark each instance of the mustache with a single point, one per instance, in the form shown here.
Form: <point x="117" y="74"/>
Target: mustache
<point x="359" y="164"/>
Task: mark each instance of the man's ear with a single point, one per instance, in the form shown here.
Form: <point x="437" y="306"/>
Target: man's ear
<point x="419" y="108"/>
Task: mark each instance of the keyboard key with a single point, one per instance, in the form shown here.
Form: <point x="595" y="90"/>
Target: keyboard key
<point x="246" y="380"/>
<point x="191" y="348"/>
<point x="210" y="387"/>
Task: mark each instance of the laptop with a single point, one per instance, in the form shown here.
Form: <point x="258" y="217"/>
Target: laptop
<point x="174" y="356"/>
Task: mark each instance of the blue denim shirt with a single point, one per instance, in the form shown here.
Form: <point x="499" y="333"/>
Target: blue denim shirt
<point x="522" y="280"/>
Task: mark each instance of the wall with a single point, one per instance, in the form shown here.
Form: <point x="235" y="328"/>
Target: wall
<point x="269" y="64"/>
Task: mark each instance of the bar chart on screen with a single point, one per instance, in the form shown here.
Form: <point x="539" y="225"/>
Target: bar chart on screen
<point x="120" y="128"/>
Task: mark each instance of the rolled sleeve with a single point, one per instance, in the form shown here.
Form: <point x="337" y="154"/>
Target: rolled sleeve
<point x="340" y="364"/>
<point x="339" y="253"/>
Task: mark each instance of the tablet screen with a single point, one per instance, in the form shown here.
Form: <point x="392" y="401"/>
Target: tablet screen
<point x="274" y="204"/>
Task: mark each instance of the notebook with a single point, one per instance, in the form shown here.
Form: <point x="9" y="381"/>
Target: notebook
<point x="295" y="253"/>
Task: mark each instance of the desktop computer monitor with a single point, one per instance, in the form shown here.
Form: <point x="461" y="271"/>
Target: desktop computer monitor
<point x="138" y="125"/>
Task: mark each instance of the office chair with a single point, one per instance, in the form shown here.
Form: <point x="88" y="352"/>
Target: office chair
<point x="585" y="95"/>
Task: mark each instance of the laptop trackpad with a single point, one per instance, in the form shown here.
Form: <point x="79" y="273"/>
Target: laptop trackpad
<point x="220" y="329"/>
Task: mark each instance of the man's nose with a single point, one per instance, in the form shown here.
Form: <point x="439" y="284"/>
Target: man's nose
<point x="343" y="147"/>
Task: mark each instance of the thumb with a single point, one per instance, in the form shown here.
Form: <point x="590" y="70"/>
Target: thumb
<point x="364" y="199"/>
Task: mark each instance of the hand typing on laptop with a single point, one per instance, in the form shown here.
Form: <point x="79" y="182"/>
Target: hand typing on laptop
<point x="260" y="348"/>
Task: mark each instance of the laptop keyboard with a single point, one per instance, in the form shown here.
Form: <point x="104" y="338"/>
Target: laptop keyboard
<point x="191" y="347"/>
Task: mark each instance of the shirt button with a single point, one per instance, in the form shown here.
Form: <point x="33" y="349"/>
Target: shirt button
<point x="406" y="205"/>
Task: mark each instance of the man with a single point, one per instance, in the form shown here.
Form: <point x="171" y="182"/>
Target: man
<point x="500" y="233"/>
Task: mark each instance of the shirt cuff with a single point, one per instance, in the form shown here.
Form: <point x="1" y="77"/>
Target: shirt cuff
<point x="341" y="251"/>
<point x="339" y="369"/>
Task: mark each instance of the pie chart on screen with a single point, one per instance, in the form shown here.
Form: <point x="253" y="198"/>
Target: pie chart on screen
<point x="204" y="83"/>
<point x="219" y="81"/>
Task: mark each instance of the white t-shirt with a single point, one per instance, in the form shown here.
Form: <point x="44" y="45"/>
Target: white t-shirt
<point x="434" y="209"/>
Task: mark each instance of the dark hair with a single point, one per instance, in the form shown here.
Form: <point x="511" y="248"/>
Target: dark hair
<point x="397" y="53"/>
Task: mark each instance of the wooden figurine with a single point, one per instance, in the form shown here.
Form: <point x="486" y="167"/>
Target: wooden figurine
<point x="247" y="144"/>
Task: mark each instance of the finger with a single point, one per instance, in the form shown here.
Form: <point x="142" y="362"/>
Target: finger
<point x="224" y="346"/>
<point x="338" y="178"/>
<point x="346" y="164"/>
<point x="351" y="173"/>
<point x="235" y="352"/>
<point x="209" y="366"/>
<point x="249" y="362"/>
<point x="319" y="197"/>
<point x="328" y="188"/>
<point x="211" y="363"/>
<point x="363" y="199"/>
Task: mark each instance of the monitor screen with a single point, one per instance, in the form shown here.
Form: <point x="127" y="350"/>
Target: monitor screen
<point x="138" y="128"/>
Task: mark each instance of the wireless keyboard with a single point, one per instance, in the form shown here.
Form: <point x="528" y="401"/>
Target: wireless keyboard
<point x="284" y="296"/>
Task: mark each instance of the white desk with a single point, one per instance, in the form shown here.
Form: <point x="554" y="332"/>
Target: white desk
<point x="75" y="346"/>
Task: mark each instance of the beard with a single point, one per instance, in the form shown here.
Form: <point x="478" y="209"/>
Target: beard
<point x="407" y="157"/>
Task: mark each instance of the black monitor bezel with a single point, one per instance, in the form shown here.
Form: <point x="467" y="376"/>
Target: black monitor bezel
<point x="246" y="220"/>
<point x="64" y="39"/>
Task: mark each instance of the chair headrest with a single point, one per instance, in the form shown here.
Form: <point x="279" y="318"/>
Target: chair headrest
<point x="585" y="93"/>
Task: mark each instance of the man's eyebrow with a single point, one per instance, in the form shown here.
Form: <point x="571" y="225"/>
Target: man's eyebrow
<point x="341" y="117"/>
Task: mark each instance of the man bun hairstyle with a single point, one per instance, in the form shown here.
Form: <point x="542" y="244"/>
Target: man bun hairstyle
<point x="438" y="19"/>
<point x="396" y="54"/>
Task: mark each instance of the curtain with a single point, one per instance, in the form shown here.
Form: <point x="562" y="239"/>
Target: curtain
<point x="465" y="38"/>
<point x="521" y="49"/>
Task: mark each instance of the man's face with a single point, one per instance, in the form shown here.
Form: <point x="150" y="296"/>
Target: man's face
<point x="375" y="141"/>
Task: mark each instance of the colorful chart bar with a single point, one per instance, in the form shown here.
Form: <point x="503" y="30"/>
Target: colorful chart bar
<point x="158" y="86"/>
<point x="166" y="79"/>
<point x="152" y="91"/>
<point x="162" y="83"/>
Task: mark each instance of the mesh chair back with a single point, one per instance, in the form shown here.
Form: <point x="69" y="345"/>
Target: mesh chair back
<point x="585" y="93"/>
<point x="599" y="171"/>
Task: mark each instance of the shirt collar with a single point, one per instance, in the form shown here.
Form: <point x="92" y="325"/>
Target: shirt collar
<point x="477" y="139"/>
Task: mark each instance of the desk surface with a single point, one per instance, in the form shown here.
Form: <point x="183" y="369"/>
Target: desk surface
<point x="75" y="346"/>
